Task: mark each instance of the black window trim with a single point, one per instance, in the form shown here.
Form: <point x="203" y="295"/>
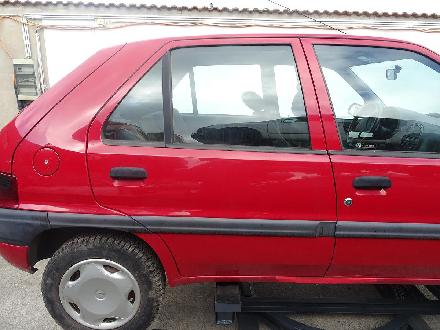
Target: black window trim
<point x="386" y="153"/>
<point x="133" y="143"/>
<point x="167" y="99"/>
<point x="226" y="147"/>
<point x="219" y="147"/>
<point x="370" y="153"/>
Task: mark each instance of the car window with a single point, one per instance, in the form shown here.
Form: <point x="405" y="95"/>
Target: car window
<point x="343" y="95"/>
<point x="412" y="77"/>
<point x="182" y="95"/>
<point x="400" y="108"/>
<point x="139" y="116"/>
<point x="232" y="80"/>
<point x="289" y="103"/>
<point x="240" y="95"/>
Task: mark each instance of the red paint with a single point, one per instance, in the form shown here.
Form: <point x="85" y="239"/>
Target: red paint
<point x="228" y="255"/>
<point x="16" y="255"/>
<point x="46" y="161"/>
<point x="227" y="184"/>
<point x="10" y="137"/>
<point x="397" y="258"/>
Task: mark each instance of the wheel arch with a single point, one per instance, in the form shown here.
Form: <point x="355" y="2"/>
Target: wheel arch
<point x="45" y="244"/>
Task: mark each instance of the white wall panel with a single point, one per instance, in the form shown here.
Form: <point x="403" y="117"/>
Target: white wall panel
<point x="66" y="49"/>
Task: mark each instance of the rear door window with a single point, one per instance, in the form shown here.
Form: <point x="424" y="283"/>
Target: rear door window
<point x="139" y="116"/>
<point x="237" y="96"/>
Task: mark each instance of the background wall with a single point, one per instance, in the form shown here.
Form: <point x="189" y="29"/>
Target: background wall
<point x="69" y="33"/>
<point x="67" y="49"/>
<point x="11" y="47"/>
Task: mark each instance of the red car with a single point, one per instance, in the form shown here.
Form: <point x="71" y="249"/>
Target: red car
<point x="281" y="158"/>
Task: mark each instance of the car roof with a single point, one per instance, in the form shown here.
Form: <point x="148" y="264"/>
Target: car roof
<point x="279" y="35"/>
<point x="266" y="35"/>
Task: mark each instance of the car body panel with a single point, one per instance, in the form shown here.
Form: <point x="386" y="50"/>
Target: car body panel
<point x="229" y="184"/>
<point x="412" y="197"/>
<point x="232" y="255"/>
<point x="16" y="255"/>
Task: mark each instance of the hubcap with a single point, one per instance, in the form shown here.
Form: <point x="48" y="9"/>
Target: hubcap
<point x="99" y="294"/>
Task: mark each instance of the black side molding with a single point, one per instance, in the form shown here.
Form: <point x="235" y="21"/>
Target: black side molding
<point x="18" y="227"/>
<point x="116" y="222"/>
<point x="364" y="229"/>
<point x="244" y="227"/>
<point x="128" y="173"/>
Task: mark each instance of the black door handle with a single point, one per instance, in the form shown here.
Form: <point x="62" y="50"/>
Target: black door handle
<point x="372" y="182"/>
<point x="128" y="173"/>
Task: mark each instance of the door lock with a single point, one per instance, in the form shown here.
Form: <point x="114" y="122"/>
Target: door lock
<point x="348" y="201"/>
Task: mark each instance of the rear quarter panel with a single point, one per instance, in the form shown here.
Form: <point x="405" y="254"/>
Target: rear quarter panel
<point x="20" y="126"/>
<point x="64" y="129"/>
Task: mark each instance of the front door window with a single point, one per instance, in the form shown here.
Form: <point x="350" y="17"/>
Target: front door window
<point x="393" y="96"/>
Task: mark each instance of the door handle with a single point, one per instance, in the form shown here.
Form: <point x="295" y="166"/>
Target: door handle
<point x="128" y="173"/>
<point x="372" y="182"/>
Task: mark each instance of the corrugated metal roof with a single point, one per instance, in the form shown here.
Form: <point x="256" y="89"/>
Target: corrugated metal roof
<point x="372" y="8"/>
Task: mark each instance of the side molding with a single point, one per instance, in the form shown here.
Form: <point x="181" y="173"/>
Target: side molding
<point x="18" y="227"/>
<point x="116" y="222"/>
<point x="366" y="229"/>
<point x="244" y="227"/>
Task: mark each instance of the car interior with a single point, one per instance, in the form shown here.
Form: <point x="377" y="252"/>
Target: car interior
<point x="264" y="126"/>
<point x="375" y="125"/>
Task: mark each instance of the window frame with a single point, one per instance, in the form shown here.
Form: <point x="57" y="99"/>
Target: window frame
<point x="227" y="147"/>
<point x="316" y="135"/>
<point x="333" y="138"/>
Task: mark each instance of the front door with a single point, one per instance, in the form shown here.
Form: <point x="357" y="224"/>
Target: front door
<point x="385" y="152"/>
<point x="215" y="149"/>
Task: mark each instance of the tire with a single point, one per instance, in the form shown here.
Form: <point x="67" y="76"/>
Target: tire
<point x="102" y="254"/>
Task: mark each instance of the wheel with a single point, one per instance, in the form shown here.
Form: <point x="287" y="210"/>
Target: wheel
<point x="105" y="281"/>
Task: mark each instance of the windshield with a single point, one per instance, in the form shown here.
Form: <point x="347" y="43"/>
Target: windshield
<point x="415" y="76"/>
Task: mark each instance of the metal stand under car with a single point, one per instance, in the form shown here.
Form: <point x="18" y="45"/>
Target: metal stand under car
<point x="405" y="302"/>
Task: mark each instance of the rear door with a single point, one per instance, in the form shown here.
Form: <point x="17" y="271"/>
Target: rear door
<point x="385" y="151"/>
<point x="215" y="149"/>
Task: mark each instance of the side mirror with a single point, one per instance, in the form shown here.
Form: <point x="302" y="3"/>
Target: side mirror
<point x="391" y="74"/>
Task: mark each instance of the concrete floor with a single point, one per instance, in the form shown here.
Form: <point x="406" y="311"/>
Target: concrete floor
<point x="185" y="307"/>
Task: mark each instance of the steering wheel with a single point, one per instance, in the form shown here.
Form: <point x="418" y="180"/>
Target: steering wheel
<point x="367" y="122"/>
<point x="350" y="108"/>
